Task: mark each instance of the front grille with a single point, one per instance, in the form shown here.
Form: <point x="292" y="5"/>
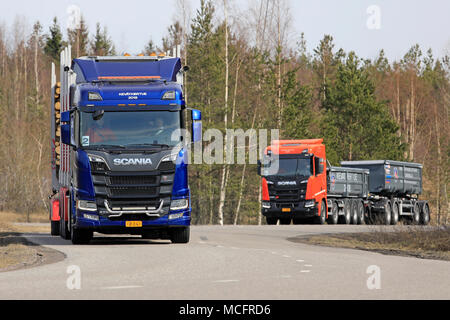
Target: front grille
<point x="132" y="191"/>
<point x="132" y="180"/>
<point x="286" y="195"/>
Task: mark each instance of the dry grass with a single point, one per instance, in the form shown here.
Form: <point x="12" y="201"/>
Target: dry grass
<point x="15" y="251"/>
<point x="8" y="216"/>
<point x="421" y="242"/>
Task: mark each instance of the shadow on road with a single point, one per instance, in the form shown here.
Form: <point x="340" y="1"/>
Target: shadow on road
<point x="48" y="240"/>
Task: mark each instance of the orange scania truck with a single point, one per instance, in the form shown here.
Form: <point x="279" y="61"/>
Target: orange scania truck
<point x="299" y="185"/>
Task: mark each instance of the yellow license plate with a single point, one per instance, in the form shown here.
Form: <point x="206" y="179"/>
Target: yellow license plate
<point x="286" y="209"/>
<point x="133" y="224"/>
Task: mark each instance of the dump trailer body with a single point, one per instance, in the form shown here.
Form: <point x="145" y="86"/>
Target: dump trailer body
<point x="388" y="178"/>
<point x="347" y="182"/>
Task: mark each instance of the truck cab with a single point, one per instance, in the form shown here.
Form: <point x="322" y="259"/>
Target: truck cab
<point x="123" y="165"/>
<point x="294" y="183"/>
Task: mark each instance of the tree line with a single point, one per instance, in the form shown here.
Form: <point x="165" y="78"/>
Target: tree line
<point x="244" y="73"/>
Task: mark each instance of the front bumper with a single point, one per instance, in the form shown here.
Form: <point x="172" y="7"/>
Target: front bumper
<point x="101" y="223"/>
<point x="297" y="210"/>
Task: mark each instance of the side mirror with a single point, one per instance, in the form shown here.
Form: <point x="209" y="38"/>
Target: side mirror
<point x="66" y="129"/>
<point x="196" y="125"/>
<point x="321" y="168"/>
<point x="259" y="167"/>
<point x="65" y="134"/>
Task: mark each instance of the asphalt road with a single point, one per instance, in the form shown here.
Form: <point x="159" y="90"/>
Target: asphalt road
<point x="230" y="262"/>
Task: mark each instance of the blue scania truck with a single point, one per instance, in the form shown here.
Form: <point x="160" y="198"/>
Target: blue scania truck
<point x="119" y="149"/>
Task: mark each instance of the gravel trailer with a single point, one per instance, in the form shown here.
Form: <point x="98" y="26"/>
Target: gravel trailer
<point x="394" y="189"/>
<point x="347" y="194"/>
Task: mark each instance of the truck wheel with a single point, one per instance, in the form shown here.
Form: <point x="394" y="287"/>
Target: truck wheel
<point x="81" y="236"/>
<point x="285" y="221"/>
<point x="425" y="214"/>
<point x="416" y="214"/>
<point x="54" y="228"/>
<point x="63" y="227"/>
<point x="360" y="212"/>
<point x="395" y="212"/>
<point x="333" y="218"/>
<point x="386" y="214"/>
<point x="323" y="214"/>
<point x="354" y="211"/>
<point x="180" y="235"/>
<point x="271" y="221"/>
<point x="346" y="218"/>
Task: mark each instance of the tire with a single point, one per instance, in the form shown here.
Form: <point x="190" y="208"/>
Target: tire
<point x="333" y="218"/>
<point x="285" y="221"/>
<point x="386" y="214"/>
<point x="415" y="219"/>
<point x="271" y="221"/>
<point x="54" y="228"/>
<point x="298" y="221"/>
<point x="425" y="214"/>
<point x="180" y="235"/>
<point x="63" y="227"/>
<point x="323" y="214"/>
<point x="354" y="211"/>
<point x="346" y="218"/>
<point x="361" y="218"/>
<point x="395" y="213"/>
<point x="80" y="236"/>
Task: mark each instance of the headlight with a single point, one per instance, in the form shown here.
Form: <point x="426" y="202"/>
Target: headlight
<point x="171" y="157"/>
<point x="86" y="205"/>
<point x="310" y="203"/>
<point x="179" y="204"/>
<point x="93" y="158"/>
<point x="266" y="205"/>
<point x="169" y="95"/>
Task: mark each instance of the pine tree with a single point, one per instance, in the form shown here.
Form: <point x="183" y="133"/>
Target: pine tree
<point x="102" y="44"/>
<point x="357" y="126"/>
<point x="79" y="39"/>
<point x="54" y="42"/>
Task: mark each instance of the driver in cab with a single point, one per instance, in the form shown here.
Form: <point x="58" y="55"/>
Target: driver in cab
<point x="99" y="132"/>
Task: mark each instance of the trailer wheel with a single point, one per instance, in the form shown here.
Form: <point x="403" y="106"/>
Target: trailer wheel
<point x="63" y="227"/>
<point x="54" y="228"/>
<point x="333" y="218"/>
<point x="271" y="221"/>
<point x="425" y="214"/>
<point x="354" y="211"/>
<point x="395" y="212"/>
<point x="360" y="212"/>
<point x="386" y="214"/>
<point x="180" y="235"/>
<point x="416" y="214"/>
<point x="346" y="218"/>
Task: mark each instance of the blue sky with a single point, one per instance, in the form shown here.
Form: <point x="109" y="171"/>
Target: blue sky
<point x="131" y="23"/>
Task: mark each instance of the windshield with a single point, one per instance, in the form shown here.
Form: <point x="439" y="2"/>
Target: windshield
<point x="131" y="128"/>
<point x="288" y="167"/>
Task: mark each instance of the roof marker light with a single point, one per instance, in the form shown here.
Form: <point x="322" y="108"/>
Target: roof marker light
<point x="94" y="96"/>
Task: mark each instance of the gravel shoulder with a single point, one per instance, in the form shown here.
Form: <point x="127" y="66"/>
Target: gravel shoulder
<point x="16" y="252"/>
<point x="419" y="242"/>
